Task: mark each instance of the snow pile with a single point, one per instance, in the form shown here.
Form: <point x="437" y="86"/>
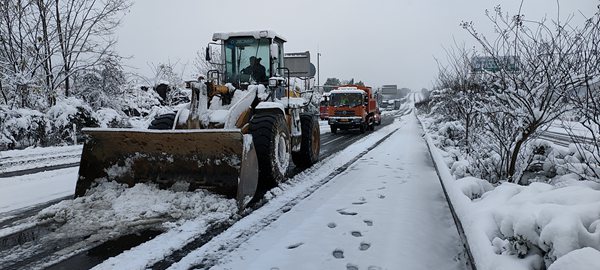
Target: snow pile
<point x="542" y="221"/>
<point x="548" y="224"/>
<point x="582" y="259"/>
<point x="113" y="209"/>
<point x="473" y="187"/>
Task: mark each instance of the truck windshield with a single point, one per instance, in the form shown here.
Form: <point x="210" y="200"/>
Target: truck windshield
<point x="247" y="60"/>
<point x="346" y="99"/>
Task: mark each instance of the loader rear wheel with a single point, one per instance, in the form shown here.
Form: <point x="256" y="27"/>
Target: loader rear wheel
<point x="163" y="121"/>
<point x="271" y="139"/>
<point x="310" y="144"/>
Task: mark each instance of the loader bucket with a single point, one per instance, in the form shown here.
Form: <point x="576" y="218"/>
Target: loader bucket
<point x="221" y="161"/>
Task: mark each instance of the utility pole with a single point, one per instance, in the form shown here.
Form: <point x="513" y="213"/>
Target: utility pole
<point x="318" y="70"/>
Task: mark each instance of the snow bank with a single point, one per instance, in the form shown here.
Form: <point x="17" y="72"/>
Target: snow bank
<point x="541" y="225"/>
<point x="581" y="259"/>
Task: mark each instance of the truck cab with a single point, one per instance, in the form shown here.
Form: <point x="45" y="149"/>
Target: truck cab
<point x="352" y="107"/>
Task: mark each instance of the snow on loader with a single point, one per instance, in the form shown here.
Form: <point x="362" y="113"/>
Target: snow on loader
<point x="235" y="137"/>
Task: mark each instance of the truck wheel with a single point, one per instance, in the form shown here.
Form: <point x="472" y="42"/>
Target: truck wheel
<point x="333" y="129"/>
<point x="271" y="139"/>
<point x="163" y="121"/>
<point x="311" y="143"/>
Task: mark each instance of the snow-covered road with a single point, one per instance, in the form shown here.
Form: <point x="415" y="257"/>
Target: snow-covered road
<point x="29" y="190"/>
<point x="387" y="211"/>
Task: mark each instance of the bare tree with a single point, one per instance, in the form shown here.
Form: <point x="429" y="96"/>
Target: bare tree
<point x="203" y="66"/>
<point x="84" y="29"/>
<point x="19" y="52"/>
<point x="529" y="90"/>
<point x="461" y="91"/>
<point x="585" y="95"/>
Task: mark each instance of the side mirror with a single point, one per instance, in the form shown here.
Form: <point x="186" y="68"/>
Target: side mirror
<point x="207" y="54"/>
<point x="274" y="48"/>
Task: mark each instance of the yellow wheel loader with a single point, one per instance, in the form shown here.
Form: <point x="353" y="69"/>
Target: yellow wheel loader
<point x="237" y="134"/>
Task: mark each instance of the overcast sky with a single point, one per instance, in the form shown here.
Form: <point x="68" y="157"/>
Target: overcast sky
<point x="376" y="41"/>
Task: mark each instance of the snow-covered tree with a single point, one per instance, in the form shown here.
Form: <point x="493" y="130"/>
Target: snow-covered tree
<point x="102" y="85"/>
<point x="535" y="71"/>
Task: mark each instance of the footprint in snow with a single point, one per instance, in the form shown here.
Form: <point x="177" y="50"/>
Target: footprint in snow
<point x="364" y="246"/>
<point x="331" y="225"/>
<point x="346" y="213"/>
<point x="295" y="245"/>
<point x="373" y="267"/>
<point x="356" y="234"/>
<point x="338" y="254"/>
<point x="380" y="196"/>
<point x="350" y="266"/>
<point x="359" y="203"/>
<point x="368" y="222"/>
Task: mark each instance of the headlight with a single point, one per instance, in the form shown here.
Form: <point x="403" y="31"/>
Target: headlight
<point x="272" y="82"/>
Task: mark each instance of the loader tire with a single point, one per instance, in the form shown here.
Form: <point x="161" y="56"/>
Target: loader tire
<point x="163" y="121"/>
<point x="333" y="129"/>
<point x="271" y="139"/>
<point x="310" y="144"/>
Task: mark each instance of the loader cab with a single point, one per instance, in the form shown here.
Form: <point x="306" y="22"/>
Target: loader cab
<point x="250" y="57"/>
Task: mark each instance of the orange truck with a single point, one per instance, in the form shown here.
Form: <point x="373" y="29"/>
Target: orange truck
<point x="353" y="107"/>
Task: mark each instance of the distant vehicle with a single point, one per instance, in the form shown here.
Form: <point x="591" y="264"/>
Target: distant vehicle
<point x="323" y="106"/>
<point x="397" y="104"/>
<point x="351" y="107"/>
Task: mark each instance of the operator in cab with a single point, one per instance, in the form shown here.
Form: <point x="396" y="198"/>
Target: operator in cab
<point x="256" y="70"/>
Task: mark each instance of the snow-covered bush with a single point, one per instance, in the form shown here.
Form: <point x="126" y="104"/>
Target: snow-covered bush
<point x="21" y="128"/>
<point x="110" y="118"/>
<point x="140" y="101"/>
<point x="546" y="220"/>
<point x="473" y="187"/>
<point x="452" y="131"/>
<point x="65" y="114"/>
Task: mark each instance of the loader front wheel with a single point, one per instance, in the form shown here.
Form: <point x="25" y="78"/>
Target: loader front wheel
<point x="163" y="121"/>
<point x="310" y="144"/>
<point x="272" y="143"/>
